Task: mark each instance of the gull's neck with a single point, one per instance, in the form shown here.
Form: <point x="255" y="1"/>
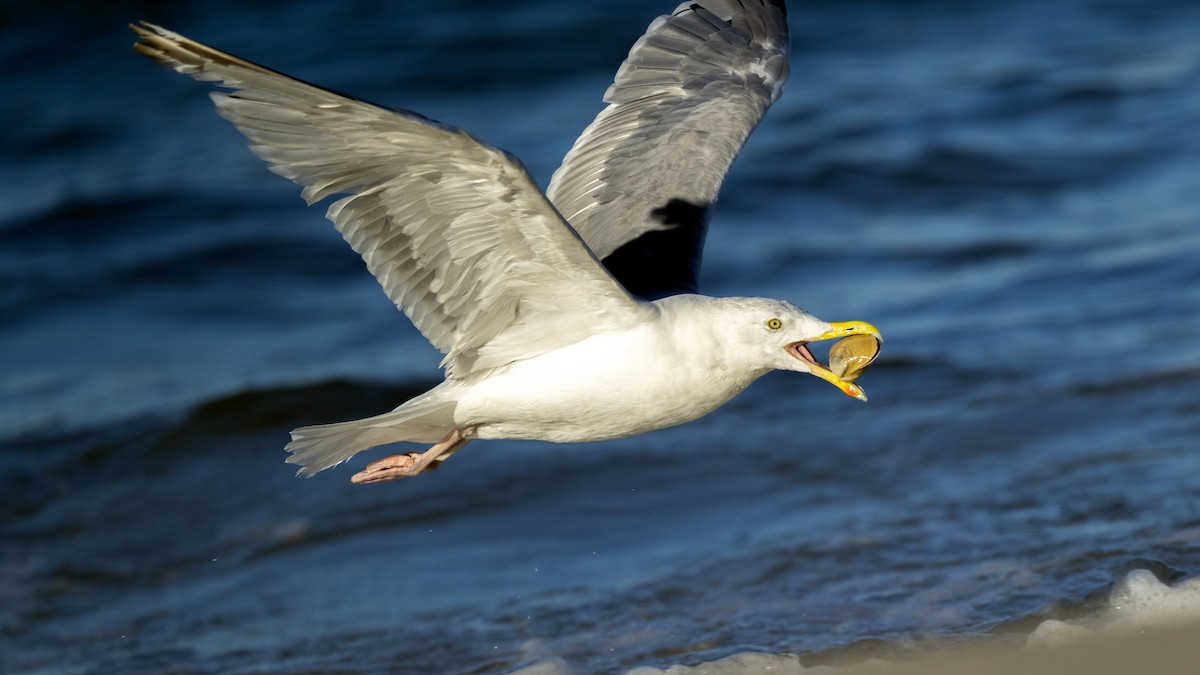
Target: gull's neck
<point x="704" y="329"/>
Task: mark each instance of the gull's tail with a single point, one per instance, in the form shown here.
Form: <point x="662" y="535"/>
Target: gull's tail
<point x="425" y="419"/>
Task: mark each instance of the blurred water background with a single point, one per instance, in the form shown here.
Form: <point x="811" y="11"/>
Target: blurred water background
<point x="1009" y="190"/>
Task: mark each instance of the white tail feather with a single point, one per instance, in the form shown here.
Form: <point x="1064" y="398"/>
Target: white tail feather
<point x="321" y="446"/>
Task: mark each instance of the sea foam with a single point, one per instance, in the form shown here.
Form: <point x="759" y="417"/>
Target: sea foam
<point x="1141" y="615"/>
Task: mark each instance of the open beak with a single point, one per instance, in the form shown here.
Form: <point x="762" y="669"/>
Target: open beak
<point x="801" y="351"/>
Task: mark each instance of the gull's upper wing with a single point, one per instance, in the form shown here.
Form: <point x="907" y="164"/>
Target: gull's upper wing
<point x="456" y="231"/>
<point x="640" y="182"/>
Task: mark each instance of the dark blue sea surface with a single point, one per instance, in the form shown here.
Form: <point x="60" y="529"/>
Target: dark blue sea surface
<point x="1009" y="190"/>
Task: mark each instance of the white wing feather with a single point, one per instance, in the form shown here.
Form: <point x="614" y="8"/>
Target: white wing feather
<point x="455" y="231"/>
<point x="681" y="107"/>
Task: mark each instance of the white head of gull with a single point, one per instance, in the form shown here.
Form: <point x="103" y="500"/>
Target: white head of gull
<point x="567" y="315"/>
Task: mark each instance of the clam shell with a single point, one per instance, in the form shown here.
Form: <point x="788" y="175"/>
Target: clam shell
<point x="851" y="356"/>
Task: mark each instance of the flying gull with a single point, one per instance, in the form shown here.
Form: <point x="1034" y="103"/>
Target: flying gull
<point x="567" y="315"/>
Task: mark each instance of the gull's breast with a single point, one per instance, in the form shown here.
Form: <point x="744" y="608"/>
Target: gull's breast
<point x="606" y="386"/>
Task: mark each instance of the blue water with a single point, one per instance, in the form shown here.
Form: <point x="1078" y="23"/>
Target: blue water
<point x="1009" y="190"/>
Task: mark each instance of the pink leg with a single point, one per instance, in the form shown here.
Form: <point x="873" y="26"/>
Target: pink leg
<point x="414" y="463"/>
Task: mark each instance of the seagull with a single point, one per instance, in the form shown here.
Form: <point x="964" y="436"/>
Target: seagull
<point x="567" y="315"/>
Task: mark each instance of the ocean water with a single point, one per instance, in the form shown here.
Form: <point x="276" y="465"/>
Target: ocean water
<point x="1007" y="189"/>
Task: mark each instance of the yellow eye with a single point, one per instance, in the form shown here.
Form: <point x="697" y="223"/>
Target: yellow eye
<point x="774" y="324"/>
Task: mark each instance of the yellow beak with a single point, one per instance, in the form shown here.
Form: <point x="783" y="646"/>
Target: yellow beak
<point x="842" y="329"/>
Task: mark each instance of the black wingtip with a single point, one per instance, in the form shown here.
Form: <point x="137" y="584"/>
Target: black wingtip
<point x="666" y="260"/>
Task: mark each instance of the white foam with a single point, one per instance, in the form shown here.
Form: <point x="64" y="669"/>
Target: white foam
<point x="738" y="664"/>
<point x="1138" y="601"/>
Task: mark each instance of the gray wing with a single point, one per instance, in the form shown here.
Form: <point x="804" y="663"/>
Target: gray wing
<point x="641" y="181"/>
<point x="455" y="231"/>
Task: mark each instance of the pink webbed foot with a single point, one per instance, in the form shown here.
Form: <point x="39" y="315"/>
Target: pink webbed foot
<point x="390" y="468"/>
<point x="414" y="463"/>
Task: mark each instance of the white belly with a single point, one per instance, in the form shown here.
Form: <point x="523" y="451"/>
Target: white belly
<point x="607" y="386"/>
